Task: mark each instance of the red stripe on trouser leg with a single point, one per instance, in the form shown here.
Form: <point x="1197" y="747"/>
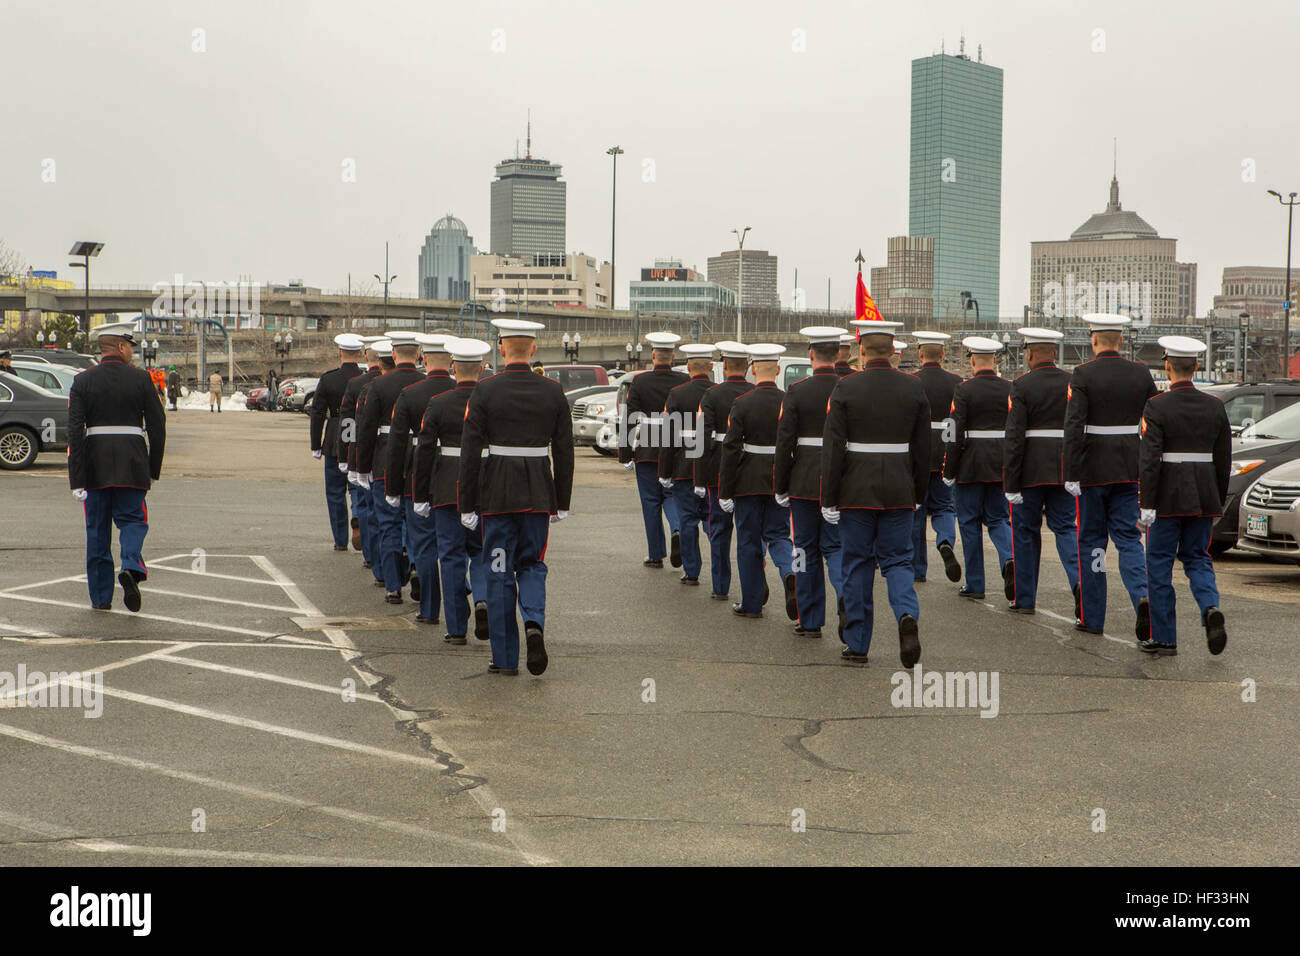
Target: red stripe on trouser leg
<point x="1078" y="551"/>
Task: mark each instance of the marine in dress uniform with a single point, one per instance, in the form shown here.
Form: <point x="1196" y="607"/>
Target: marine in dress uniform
<point x="639" y="441"/>
<point x="437" y="470"/>
<point x="1031" y="469"/>
<point x="939" y="384"/>
<point x="745" y="486"/>
<point x="1185" y="457"/>
<point x="875" y="467"/>
<point x="682" y="447"/>
<point x="403" y="442"/>
<point x="516" y="416"/>
<point x="843" y="361"/>
<point x="798" y="482"/>
<point x="972" y="465"/>
<point x="324" y="432"/>
<point x="1103" y="417"/>
<point x="715" y="409"/>
<point x="112" y="406"/>
<point x="374" y="419"/>
<point x="362" y="509"/>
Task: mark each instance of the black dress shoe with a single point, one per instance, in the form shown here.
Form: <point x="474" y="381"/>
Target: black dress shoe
<point x="675" y="551"/>
<point x="791" y="598"/>
<point x="1077" y="591"/>
<point x="720" y="597"/>
<point x="1156" y="647"/>
<point x="366" y="565"/>
<point x="1009" y="580"/>
<point x="1017" y="609"/>
<point x="379" y="584"/>
<point x="130" y="590"/>
<point x="356" y="534"/>
<point x="536" y="659"/>
<point x="801" y="631"/>
<point x="853" y="658"/>
<point x="1080" y="626"/>
<point x="920" y="580"/>
<point x="340" y="547"/>
<point x="101" y="607"/>
<point x="415" y="588"/>
<point x="951" y="566"/>
<point x="481" y="621"/>
<point x="653" y="562"/>
<point x="736" y="609"/>
<point x="909" y="641"/>
<point x="839" y="606"/>
<point x="973" y="595"/>
<point x="1143" y="626"/>
<point x="506" y="671"/>
<point x="693" y="582"/>
<point x="1216" y="636"/>
<point x="393" y="597"/>
<point x="421" y="619"/>
<point x="454" y="638"/>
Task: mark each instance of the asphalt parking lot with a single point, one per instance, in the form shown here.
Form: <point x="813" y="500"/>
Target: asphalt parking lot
<point x="267" y="707"/>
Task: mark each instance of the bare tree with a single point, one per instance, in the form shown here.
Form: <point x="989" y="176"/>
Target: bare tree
<point x="352" y="312"/>
<point x="11" y="263"/>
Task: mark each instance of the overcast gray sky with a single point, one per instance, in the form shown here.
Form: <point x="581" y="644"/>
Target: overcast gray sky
<point x="228" y="162"/>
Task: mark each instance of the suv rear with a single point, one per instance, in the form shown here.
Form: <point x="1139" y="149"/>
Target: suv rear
<point x="577" y="376"/>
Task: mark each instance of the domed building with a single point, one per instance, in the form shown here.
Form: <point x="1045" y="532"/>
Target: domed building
<point x="445" y="261"/>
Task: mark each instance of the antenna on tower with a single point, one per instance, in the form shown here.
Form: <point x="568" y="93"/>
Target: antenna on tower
<point x="962" y="48"/>
<point x="1114" y="163"/>
<point x="980" y="52"/>
<point x="529" y="154"/>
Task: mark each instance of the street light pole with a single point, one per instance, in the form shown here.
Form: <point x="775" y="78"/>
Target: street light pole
<point x="385" y="282"/>
<point x="740" y="277"/>
<point x="615" y="152"/>
<point x="1286" y="293"/>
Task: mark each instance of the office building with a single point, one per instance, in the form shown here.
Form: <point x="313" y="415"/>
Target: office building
<point x="528" y="207"/>
<point x="955" y="192"/>
<point x="507" y="283"/>
<point x="1256" y="290"/>
<point x="760" y="277"/>
<point x="668" y="288"/>
<point x="445" y="261"/>
<point x="903" y="288"/>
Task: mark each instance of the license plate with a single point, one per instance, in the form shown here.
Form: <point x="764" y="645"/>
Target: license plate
<point x="1257" y="525"/>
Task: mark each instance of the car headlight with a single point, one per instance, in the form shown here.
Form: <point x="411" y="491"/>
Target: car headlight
<point x="1242" y="465"/>
<point x="594" y="410"/>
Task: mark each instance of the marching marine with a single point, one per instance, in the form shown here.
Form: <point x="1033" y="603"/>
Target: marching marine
<point x="324" y="436"/>
<point x="683" y="444"/>
<point x="939" y="384"/>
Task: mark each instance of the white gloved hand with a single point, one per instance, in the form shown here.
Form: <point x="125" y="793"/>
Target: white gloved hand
<point x="1014" y="497"/>
<point x="831" y="515"/>
<point x="392" y="502"/>
<point x="727" y="505"/>
<point x="783" y="501"/>
<point x="629" y="465"/>
<point x="353" y="478"/>
<point x="317" y="453"/>
<point x="1146" y="517"/>
<point x="1073" y="488"/>
<point x="422" y="508"/>
<point x="364" y="480"/>
<point x="666" y="482"/>
<point x="80" y="494"/>
<point x="469" y="519"/>
<point x="343" y="467"/>
<point x="559" y="516"/>
<point x="700" y="492"/>
<point x="950" y="482"/>
<point x="916" y="507"/>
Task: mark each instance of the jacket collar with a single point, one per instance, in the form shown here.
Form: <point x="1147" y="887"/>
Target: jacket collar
<point x="735" y="378"/>
<point x="1047" y="364"/>
<point x="440" y="372"/>
<point x="985" y="373"/>
<point x="824" y="370"/>
<point x="469" y="384"/>
<point x="876" y="363"/>
<point x="111" y="358"/>
<point x="700" y="378"/>
<point x="1182" y="385"/>
<point x="766" y="385"/>
<point x="516" y="367"/>
<point x="405" y="365"/>
<point x="1108" y="353"/>
<point x="931" y="365"/>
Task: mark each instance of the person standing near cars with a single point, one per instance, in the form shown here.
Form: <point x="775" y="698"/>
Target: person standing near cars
<point x="1185" y="457"/>
<point x="639" y="440"/>
<point x="1103" y="424"/>
<point x="682" y="448"/>
<point x="173" y="386"/>
<point x="112" y="406"/>
<point x="6" y="362"/>
<point x="214" y="391"/>
<point x="324" y="432"/>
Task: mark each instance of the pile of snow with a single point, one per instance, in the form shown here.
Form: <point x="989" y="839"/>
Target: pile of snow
<point x="199" y="401"/>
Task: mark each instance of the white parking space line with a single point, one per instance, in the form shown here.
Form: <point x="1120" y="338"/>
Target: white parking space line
<point x="335" y="690"/>
<point x="482" y="794"/>
<point x="219" y="600"/>
<point x="41" y="584"/>
<point x="211" y="574"/>
<point x="140" y="614"/>
<point x="5" y="699"/>
<point x="354" y="816"/>
<point x="1070" y="621"/>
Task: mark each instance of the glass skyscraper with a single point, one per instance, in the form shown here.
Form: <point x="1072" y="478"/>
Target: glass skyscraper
<point x="956" y="178"/>
<point x="445" y="261"/>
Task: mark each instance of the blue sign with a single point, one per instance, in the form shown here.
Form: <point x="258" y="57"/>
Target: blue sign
<point x="43" y="274"/>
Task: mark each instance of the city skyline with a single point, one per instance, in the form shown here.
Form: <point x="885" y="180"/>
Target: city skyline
<point x="811" y="148"/>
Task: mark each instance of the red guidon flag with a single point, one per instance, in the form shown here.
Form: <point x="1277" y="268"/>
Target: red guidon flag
<point x="864" y="305"/>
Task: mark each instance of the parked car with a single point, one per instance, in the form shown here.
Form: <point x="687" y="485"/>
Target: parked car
<point x="56" y="357"/>
<point x="258" y="399"/>
<point x="573" y="394"/>
<point x="32" y="420"/>
<point x="1254" y="401"/>
<point x="1270" y="514"/>
<point x="589" y="418"/>
<point x="578" y="376"/>
<point x="55" y="378"/>
<point x="1272" y="441"/>
<point x="296" y="394"/>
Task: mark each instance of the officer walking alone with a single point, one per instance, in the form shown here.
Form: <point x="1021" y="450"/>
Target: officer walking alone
<point x="939" y="384"/>
<point x="111" y="407"/>
<point x="1186" y="453"/>
<point x="875" y="469"/>
<point x="1103" y="418"/>
<point x="715" y="410"/>
<point x="324" y="432"/>
<point x="523" y="422"/>
<point x="1031" y="469"/>
<point x="682" y="447"/>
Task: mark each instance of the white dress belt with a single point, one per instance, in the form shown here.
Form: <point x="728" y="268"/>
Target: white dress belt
<point x="939" y="425"/>
<point x="986" y="433"/>
<point x="811" y="442"/>
<point x="453" y="451"/>
<point x="115" y="430"/>
<point x="759" y="449"/>
<point x="719" y="436"/>
<point x="1044" y="432"/>
<point x="877" y="449"/>
<point x="1112" y="429"/>
<point x="415" y="441"/>
<point x="689" y="434"/>
<point x="519" y="451"/>
<point x="1181" y="457"/>
<point x="385" y="429"/>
